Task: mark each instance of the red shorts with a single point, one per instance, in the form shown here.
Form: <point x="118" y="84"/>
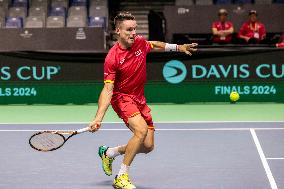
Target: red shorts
<point x="126" y="107"/>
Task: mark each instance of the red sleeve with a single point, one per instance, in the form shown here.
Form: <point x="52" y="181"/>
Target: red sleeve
<point x="144" y="42"/>
<point x="109" y="69"/>
<point x="149" y="46"/>
<point x="242" y="30"/>
<point x="262" y="31"/>
<point x="213" y="25"/>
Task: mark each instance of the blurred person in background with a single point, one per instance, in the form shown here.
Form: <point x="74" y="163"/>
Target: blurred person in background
<point x="252" y="31"/>
<point x="222" y="29"/>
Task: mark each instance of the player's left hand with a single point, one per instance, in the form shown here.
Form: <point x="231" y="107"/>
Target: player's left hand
<point x="188" y="48"/>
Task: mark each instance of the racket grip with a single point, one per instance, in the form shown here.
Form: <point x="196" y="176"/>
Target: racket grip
<point x="83" y="130"/>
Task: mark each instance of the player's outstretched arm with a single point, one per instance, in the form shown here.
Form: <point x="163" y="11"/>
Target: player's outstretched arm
<point x="103" y="103"/>
<point x="185" y="48"/>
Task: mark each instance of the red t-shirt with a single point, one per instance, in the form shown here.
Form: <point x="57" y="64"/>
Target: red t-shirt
<point x="222" y="26"/>
<point x="127" y="69"/>
<point x="253" y="30"/>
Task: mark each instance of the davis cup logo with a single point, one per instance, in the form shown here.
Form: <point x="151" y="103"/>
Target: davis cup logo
<point x="174" y="71"/>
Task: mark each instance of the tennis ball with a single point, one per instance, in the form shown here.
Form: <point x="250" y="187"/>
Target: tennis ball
<point x="234" y="96"/>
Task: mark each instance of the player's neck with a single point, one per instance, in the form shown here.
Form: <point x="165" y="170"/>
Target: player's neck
<point x="123" y="45"/>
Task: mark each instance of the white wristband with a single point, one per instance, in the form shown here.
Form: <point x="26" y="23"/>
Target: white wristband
<point x="171" y="47"/>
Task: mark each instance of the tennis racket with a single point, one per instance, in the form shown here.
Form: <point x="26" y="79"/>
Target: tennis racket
<point x="46" y="141"/>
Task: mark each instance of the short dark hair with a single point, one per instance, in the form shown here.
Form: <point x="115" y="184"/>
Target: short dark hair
<point x="121" y="16"/>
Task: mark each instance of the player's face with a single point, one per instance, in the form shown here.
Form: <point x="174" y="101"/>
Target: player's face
<point x="253" y="18"/>
<point x="127" y="32"/>
<point x="223" y="17"/>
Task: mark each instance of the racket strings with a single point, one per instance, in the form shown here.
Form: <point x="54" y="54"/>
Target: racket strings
<point x="47" y="141"/>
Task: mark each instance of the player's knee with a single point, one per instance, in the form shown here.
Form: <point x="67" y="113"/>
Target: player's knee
<point x="141" y="134"/>
<point x="149" y="147"/>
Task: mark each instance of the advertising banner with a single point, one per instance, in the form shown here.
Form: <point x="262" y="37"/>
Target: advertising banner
<point x="255" y="76"/>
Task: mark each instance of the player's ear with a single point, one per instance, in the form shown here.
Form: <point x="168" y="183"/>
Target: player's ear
<point x="117" y="30"/>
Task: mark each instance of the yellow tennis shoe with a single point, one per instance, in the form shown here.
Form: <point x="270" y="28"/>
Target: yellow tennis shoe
<point x="123" y="182"/>
<point x="106" y="161"/>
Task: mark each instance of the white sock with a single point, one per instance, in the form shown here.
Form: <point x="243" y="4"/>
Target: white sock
<point x="113" y="152"/>
<point x="123" y="169"/>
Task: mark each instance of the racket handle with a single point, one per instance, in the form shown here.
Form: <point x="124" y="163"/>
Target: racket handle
<point x="83" y="130"/>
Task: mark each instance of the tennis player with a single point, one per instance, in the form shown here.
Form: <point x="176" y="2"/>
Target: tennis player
<point x="124" y="78"/>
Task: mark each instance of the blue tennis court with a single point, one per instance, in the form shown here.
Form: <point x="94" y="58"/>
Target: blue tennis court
<point x="204" y="155"/>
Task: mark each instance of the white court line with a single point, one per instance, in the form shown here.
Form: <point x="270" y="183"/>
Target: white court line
<point x="208" y="129"/>
<point x="275" y="158"/>
<point x="119" y="122"/>
<point x="263" y="160"/>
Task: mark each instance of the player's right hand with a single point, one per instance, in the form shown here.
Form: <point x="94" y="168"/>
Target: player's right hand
<point x="95" y="125"/>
